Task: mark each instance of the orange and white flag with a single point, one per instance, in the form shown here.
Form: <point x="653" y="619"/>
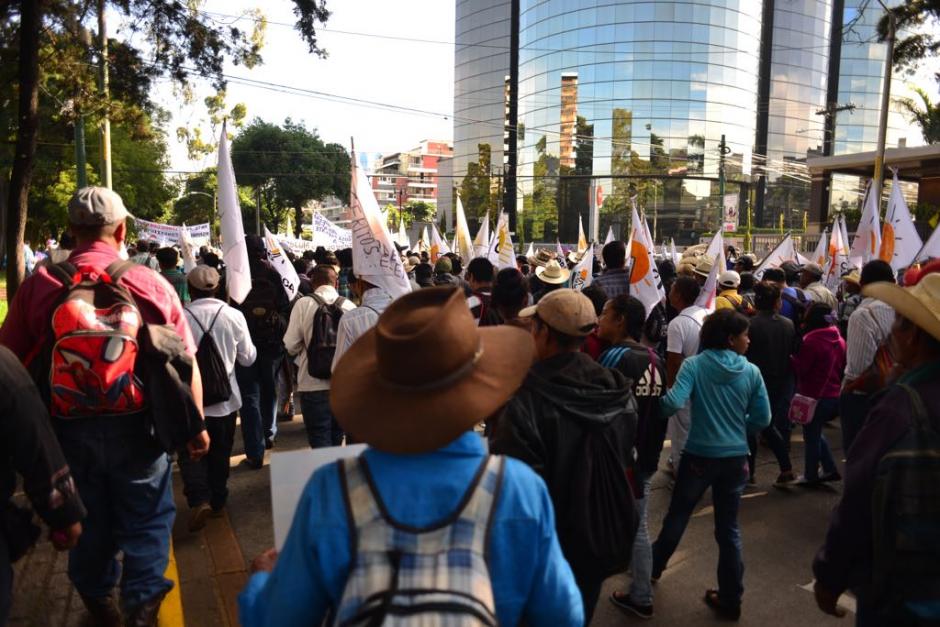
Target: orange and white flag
<point x="821" y="254"/>
<point x="900" y="241"/>
<point x="582" y="275"/>
<point x="439" y="245"/>
<point x="867" y="242"/>
<point x="463" y="244"/>
<point x="645" y="283"/>
<point x="582" y="238"/>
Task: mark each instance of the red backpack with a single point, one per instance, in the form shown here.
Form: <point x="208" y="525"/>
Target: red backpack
<point x="90" y="356"/>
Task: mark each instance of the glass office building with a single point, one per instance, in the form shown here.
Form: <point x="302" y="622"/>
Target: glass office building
<point x="687" y="106"/>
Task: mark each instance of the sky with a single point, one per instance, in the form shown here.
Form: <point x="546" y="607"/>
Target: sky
<point x="407" y="73"/>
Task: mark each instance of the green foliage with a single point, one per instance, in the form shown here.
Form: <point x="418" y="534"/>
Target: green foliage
<point x="291" y="166"/>
<point x="475" y="189"/>
<point x="918" y="18"/>
<point x="216" y="108"/>
<point x="413" y="211"/>
<point x="925" y="114"/>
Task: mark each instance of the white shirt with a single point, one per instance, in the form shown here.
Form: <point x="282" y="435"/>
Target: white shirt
<point x="300" y="333"/>
<point x="682" y="335"/>
<point x="869" y="326"/>
<point x="230" y="333"/>
<point x="353" y="325"/>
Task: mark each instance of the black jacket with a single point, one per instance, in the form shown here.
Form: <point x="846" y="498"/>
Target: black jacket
<point x="544" y="423"/>
<point x="773" y="340"/>
<point x="30" y="448"/>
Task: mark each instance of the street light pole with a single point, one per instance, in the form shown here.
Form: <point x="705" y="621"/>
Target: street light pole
<point x="103" y="88"/>
<point x="885" y="98"/>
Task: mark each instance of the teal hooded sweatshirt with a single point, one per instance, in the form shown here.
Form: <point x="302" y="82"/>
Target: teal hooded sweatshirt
<point x="728" y="400"/>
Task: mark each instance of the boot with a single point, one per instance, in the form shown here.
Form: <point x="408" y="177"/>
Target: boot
<point x="103" y="611"/>
<point x="145" y="614"/>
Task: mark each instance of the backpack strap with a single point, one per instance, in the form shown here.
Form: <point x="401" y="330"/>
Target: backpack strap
<point x="117" y="269"/>
<point x="477" y="513"/>
<point x="196" y="320"/>
<point x="64" y="272"/>
<point x="214" y="318"/>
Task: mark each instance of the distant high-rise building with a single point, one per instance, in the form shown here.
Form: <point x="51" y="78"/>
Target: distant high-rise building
<point x="636" y="98"/>
<point x="401" y="177"/>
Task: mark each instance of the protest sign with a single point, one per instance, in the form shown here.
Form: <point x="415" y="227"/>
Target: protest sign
<point x="328" y="235"/>
<point x="171" y="234"/>
<point x="289" y="279"/>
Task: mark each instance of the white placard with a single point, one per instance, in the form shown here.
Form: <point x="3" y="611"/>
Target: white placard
<point x="290" y="472"/>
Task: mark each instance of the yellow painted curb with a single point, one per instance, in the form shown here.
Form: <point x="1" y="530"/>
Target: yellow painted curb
<point x="171" y="611"/>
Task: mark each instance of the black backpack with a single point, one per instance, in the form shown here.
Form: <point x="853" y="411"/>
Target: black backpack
<point x="322" y="346"/>
<point x="265" y="323"/>
<point x="216" y="387"/>
<point x="906" y="521"/>
<point x="602" y="518"/>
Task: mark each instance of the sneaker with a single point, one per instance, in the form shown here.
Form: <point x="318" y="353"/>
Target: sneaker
<point x="625" y="603"/>
<point x="726" y="612"/>
<point x="268" y="443"/>
<point x="784" y="478"/>
<point x="803" y="482"/>
<point x="830" y="477"/>
<point x="197" y="517"/>
<point x="255" y="463"/>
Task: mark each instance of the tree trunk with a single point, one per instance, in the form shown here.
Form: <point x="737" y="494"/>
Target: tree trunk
<point x="26" y="137"/>
<point x="298" y="221"/>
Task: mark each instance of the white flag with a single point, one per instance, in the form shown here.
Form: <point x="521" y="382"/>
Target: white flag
<point x="867" y="241"/>
<point x="931" y="249"/>
<point x="463" y="244"/>
<point x="375" y="258"/>
<point x="481" y="243"/>
<point x="234" y="251"/>
<point x="783" y="251"/>
<point x="403" y="239"/>
<point x="645" y="283"/>
<point x="844" y="235"/>
<point x="676" y="257"/>
<point x="708" y="295"/>
<point x="716" y="252"/>
<point x="188" y="249"/>
<point x="838" y="259"/>
<point x="423" y="240"/>
<point x="559" y="251"/>
<point x="900" y="242"/>
<point x="531" y="252"/>
<point x="610" y="235"/>
<point x="582" y="274"/>
<point x="505" y="253"/>
<point x="582" y="238"/>
<point x="821" y="254"/>
<point x="289" y="279"/>
<point x="439" y="245"/>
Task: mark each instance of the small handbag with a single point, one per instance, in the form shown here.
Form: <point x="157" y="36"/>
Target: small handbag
<point x="802" y="409"/>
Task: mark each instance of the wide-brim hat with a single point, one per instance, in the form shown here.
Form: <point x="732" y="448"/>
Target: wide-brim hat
<point x="552" y="273"/>
<point x="704" y="266"/>
<point x="426" y="373"/>
<point x="541" y="257"/>
<point x="920" y="304"/>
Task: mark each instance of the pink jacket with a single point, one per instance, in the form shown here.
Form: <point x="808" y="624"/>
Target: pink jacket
<point x="820" y="363"/>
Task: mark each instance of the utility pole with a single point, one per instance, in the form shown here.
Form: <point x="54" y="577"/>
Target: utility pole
<point x="103" y="89"/>
<point x="258" y="212"/>
<point x="722" y="151"/>
<point x="885" y="97"/>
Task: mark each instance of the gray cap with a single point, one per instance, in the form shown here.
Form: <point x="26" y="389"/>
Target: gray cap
<point x="96" y="206"/>
<point x="812" y="268"/>
<point x="204" y="278"/>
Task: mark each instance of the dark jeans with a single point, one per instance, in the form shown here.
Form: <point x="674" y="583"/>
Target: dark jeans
<point x="125" y="481"/>
<point x="258" y="386"/>
<point x="205" y="481"/>
<point x="321" y="425"/>
<point x="853" y="410"/>
<point x="726" y="477"/>
<point x="777" y="434"/>
<point x="6" y="581"/>
<point x="816" y="446"/>
<point x="590" y="587"/>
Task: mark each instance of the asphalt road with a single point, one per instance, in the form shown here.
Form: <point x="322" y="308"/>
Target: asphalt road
<point x="782" y="529"/>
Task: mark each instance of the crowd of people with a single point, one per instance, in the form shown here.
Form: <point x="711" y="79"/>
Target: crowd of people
<point x="514" y="424"/>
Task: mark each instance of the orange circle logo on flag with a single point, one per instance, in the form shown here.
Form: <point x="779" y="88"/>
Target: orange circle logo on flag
<point x="887" y="243"/>
<point x="641" y="262"/>
<point x="599" y="200"/>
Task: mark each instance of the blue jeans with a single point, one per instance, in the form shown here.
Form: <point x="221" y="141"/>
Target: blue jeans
<point x="817" y="448"/>
<point x="777" y="433"/>
<point x="124" y="478"/>
<point x="258" y="386"/>
<point x="726" y="477"/>
<point x="322" y="428"/>
<point x="641" y="563"/>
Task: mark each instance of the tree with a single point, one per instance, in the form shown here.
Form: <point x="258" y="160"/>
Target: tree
<point x="912" y="15"/>
<point x="289" y="166"/>
<point x="176" y="36"/>
<point x="927" y="117"/>
<point x="475" y="187"/>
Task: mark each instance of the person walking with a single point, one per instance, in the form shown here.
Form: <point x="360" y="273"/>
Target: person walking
<point x="480" y="278"/>
<point x="169" y="260"/>
<point x="28" y="447"/>
<point x="373" y="301"/>
<point x="621" y="325"/>
<point x="205" y="481"/>
<point x="774" y="342"/>
<point x="882" y="537"/>
<point x="120" y="468"/>
<point x="614" y="280"/>
<point x="303" y="332"/>
<point x="811" y="283"/>
<point x="565" y="400"/>
<point x="266" y="310"/>
<point x="819" y="365"/>
<point x="682" y="342"/>
<point x="424" y="514"/>
<point x="729" y="400"/>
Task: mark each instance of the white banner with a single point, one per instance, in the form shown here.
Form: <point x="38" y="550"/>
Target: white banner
<point x="154" y="231"/>
<point x="289" y="279"/>
<point x="188" y="250"/>
<point x="328" y="235"/>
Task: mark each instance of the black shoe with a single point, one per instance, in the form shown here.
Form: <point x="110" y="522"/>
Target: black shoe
<point x="784" y="478"/>
<point x="831" y="477"/>
<point x="268" y="443"/>
<point x="803" y="482"/>
<point x="255" y="463"/>
<point x="145" y="614"/>
<point x="723" y="611"/>
<point x="624" y="602"/>
<point x="103" y="611"/>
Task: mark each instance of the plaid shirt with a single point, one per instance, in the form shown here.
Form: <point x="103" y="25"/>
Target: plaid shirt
<point x="615" y="281"/>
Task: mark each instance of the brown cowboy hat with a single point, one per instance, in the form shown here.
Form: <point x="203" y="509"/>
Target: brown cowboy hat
<point x="426" y="373"/>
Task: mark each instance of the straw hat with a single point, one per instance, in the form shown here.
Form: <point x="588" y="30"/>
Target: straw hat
<point x="541" y="257"/>
<point x="704" y="266"/>
<point x="853" y="276"/>
<point x="552" y="273"/>
<point x="919" y="304"/>
<point x="426" y="373"/>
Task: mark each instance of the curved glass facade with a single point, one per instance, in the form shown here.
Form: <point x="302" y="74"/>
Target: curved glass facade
<point x="481" y="68"/>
